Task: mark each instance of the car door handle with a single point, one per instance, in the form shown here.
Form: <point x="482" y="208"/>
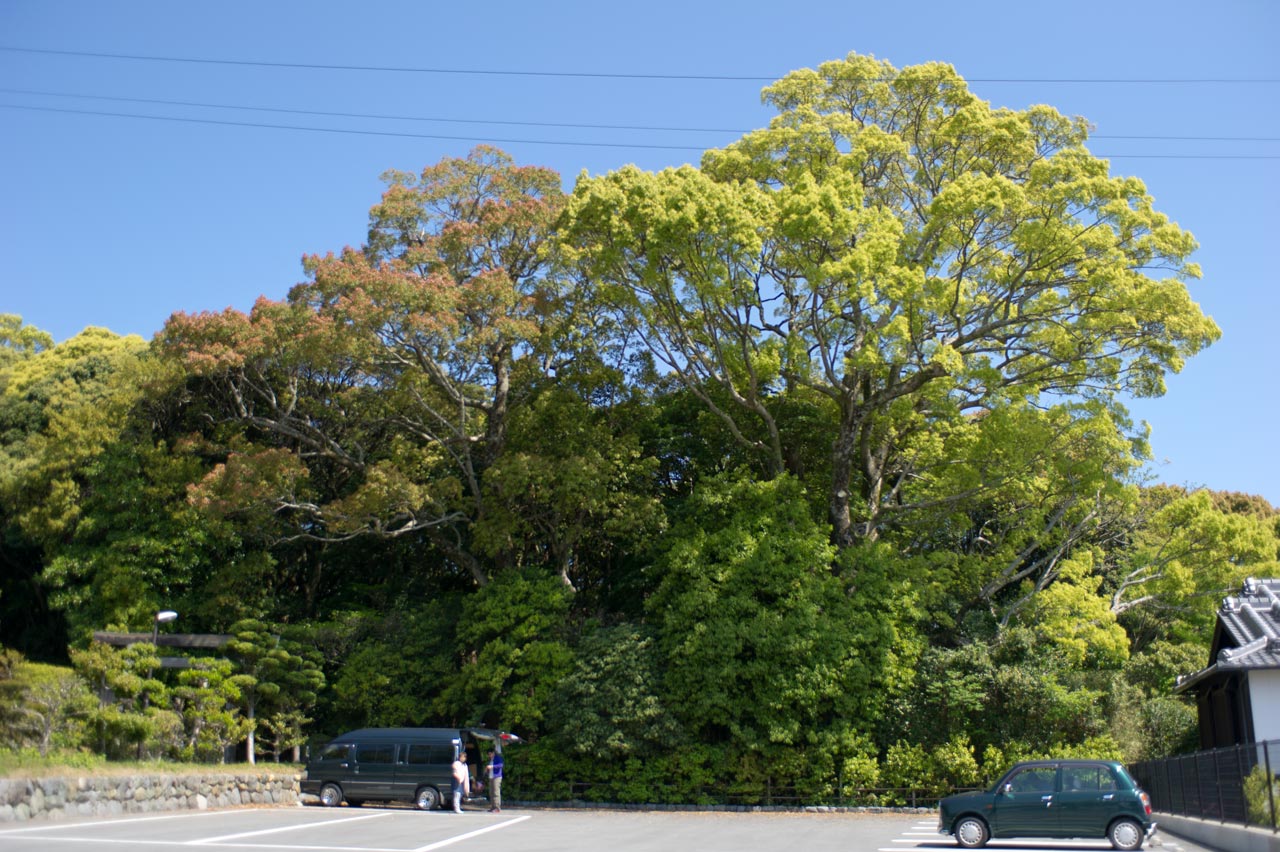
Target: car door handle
<point x="1108" y="797"/>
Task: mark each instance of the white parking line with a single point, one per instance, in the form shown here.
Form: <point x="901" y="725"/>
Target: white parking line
<point x="240" y="840"/>
<point x="210" y="841"/>
<point x="470" y="834"/>
<point x="120" y="821"/>
<point x="169" y="844"/>
<point x="107" y="840"/>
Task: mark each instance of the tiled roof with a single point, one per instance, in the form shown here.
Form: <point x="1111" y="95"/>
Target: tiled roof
<point x="1247" y="635"/>
<point x="1253" y="621"/>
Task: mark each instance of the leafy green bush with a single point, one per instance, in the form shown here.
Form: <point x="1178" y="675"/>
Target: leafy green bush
<point x="608" y="706"/>
<point x="1258" y="799"/>
<point x="46" y="706"/>
<point x="30" y="762"/>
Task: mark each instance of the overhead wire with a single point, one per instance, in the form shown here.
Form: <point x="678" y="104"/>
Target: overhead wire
<point x="380" y="116"/>
<point x="514" y="123"/>
<point x="503" y="141"/>
<point x="350" y="131"/>
<point x="603" y="74"/>
<point x="508" y="122"/>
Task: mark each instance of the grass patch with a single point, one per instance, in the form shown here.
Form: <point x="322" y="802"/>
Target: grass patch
<point x="27" y="763"/>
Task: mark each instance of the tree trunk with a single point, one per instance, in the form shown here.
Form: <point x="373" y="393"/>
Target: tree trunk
<point x="843" y="450"/>
<point x="252" y="728"/>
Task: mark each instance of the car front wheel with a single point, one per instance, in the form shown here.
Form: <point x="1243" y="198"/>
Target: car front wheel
<point x="971" y="833"/>
<point x="330" y="795"/>
<point x="1125" y="834"/>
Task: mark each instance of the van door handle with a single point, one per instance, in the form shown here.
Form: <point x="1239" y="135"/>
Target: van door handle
<point x="1048" y="800"/>
<point x="345" y="765"/>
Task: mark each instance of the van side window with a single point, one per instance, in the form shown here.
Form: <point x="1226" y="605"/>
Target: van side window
<point x="423" y="754"/>
<point x="336" y="752"/>
<point x="376" y="754"/>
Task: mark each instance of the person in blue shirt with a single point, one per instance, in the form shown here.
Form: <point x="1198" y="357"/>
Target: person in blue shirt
<point x="495" y="782"/>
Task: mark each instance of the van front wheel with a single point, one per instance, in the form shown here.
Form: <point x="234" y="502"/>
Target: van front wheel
<point x="330" y="795"/>
<point x="426" y="799"/>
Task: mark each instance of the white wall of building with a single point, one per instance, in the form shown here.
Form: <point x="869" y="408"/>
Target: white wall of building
<point x="1264" y="695"/>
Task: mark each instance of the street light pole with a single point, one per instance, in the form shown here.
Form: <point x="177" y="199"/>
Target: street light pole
<point x="164" y="615"/>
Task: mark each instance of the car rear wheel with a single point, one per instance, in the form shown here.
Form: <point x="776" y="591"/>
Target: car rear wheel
<point x="971" y="832"/>
<point x="1125" y="834"/>
<point x="426" y="799"/>
<point x="330" y="795"/>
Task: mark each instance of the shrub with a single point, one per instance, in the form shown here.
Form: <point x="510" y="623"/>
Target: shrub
<point x="1258" y="799"/>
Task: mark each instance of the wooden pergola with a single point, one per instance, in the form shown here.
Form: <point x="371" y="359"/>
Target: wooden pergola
<point x="200" y="641"/>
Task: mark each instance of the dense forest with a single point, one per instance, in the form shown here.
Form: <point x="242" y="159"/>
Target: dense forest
<point x="808" y="466"/>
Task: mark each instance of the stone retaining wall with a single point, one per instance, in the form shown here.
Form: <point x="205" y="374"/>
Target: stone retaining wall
<point x="58" y="798"/>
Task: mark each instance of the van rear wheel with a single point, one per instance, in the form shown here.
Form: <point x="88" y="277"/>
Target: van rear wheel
<point x="426" y="799"/>
<point x="330" y="795"/>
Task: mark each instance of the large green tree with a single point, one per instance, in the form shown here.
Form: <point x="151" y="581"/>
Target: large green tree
<point x="896" y="245"/>
<point x="61" y="407"/>
<point x="381" y="390"/>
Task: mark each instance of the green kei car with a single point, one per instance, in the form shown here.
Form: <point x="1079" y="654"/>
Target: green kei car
<point x="1053" y="798"/>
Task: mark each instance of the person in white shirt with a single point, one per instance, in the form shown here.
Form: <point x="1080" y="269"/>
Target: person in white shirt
<point x="461" y="781"/>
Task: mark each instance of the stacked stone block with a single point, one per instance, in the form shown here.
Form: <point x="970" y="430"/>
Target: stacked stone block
<point x="23" y="800"/>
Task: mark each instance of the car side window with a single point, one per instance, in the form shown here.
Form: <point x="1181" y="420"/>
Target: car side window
<point x="1090" y="779"/>
<point x="1034" y="779"/>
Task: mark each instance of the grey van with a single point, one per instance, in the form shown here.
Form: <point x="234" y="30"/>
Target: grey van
<point x="393" y="764"/>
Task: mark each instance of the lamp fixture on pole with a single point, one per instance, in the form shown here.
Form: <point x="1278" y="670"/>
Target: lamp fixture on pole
<point x="164" y="615"/>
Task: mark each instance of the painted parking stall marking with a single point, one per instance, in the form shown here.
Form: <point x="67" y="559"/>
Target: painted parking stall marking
<point x="470" y="834"/>
<point x="216" y="841"/>
<point x="381" y="831"/>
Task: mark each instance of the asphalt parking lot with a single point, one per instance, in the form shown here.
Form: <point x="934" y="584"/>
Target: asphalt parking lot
<point x="370" y="829"/>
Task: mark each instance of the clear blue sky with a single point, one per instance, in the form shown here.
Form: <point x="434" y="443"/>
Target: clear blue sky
<point x="118" y="222"/>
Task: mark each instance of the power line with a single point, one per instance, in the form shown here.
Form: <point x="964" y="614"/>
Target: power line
<point x="473" y="139"/>
<point x="572" y="125"/>
<point x="607" y="75"/>
<point x="569" y="125"/>
<point x="351" y="132"/>
<point x="311" y="66"/>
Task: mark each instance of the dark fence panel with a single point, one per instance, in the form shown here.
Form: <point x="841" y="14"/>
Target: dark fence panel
<point x="770" y="796"/>
<point x="1233" y="784"/>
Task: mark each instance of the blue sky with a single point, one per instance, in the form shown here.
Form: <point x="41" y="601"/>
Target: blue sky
<point x="118" y="222"/>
